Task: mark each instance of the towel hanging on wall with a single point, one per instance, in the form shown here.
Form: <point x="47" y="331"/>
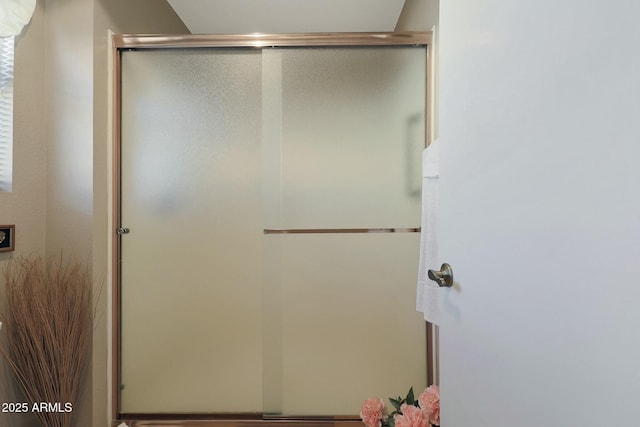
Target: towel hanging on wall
<point x="429" y="295"/>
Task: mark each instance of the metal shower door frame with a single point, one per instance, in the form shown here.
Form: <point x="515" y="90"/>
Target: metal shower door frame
<point x="258" y="41"/>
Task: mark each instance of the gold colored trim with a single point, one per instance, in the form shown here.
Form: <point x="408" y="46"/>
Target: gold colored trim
<point x="340" y="230"/>
<point x="272" y="40"/>
<point x="431" y="355"/>
<point x="429" y="101"/>
<point x="116" y="239"/>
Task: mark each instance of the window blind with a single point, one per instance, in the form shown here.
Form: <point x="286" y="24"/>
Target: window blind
<point x="6" y="112"/>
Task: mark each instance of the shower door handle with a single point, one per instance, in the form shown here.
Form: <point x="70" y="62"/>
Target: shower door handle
<point x="444" y="277"/>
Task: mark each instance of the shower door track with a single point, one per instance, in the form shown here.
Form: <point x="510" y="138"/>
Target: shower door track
<point x="132" y="41"/>
<point x="340" y="230"/>
<point x="188" y="420"/>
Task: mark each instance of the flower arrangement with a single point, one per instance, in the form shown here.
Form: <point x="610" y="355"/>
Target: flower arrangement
<point x="408" y="412"/>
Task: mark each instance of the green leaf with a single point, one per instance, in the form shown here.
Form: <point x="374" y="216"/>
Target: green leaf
<point x="395" y="403"/>
<point x="410" y="398"/>
<point x="392" y="422"/>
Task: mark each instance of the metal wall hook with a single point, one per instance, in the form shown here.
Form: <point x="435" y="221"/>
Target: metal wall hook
<point x="444" y="277"/>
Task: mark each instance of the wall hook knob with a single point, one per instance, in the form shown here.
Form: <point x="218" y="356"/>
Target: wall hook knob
<point x="444" y="277"/>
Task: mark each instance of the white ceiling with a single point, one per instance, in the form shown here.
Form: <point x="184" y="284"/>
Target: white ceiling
<point x="287" y="16"/>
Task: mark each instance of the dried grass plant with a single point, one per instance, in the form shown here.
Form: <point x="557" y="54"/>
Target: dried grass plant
<point x="47" y="318"/>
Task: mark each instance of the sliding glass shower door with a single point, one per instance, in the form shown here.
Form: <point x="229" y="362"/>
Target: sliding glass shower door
<point x="342" y="325"/>
<point x="270" y="199"/>
<point x="191" y="273"/>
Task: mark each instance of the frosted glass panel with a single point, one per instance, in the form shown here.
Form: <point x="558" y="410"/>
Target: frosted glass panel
<point x="191" y="196"/>
<point x="353" y="132"/>
<point x="219" y="144"/>
<point x="349" y="326"/>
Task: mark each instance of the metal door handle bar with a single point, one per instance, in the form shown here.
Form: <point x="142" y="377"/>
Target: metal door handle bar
<point x="339" y="230"/>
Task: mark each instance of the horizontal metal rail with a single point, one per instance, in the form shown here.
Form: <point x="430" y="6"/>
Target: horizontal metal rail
<point x="340" y="230"/>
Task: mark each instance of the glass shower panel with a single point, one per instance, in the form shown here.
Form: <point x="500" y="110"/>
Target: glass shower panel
<point x="352" y="135"/>
<point x="339" y="308"/>
<point x="191" y="338"/>
<point x="349" y="326"/>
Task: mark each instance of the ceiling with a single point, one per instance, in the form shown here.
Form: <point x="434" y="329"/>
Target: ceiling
<point x="287" y="16"/>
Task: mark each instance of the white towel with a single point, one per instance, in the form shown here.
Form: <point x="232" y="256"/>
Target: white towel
<point x="431" y="161"/>
<point x="429" y="295"/>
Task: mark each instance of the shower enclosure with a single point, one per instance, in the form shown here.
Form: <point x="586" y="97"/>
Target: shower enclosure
<point x="266" y="216"/>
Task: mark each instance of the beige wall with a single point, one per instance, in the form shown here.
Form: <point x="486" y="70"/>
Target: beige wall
<point x="25" y="205"/>
<point x="60" y="144"/>
<point x="69" y="103"/>
<point x="418" y="15"/>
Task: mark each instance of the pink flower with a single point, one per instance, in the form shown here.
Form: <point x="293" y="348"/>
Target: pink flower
<point x="429" y="402"/>
<point x="411" y="416"/>
<point x="372" y="412"/>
